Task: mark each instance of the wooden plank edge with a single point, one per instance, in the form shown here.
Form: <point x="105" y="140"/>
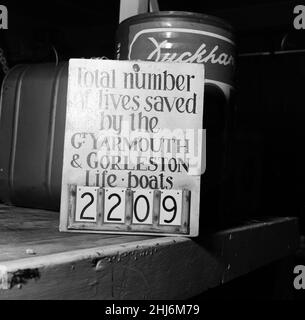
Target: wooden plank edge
<point x="250" y="247"/>
<point x="258" y="224"/>
<point x="9" y="268"/>
<point x="168" y="268"/>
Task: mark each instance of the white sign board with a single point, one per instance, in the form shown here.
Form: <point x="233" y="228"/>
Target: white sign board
<point x="134" y="148"/>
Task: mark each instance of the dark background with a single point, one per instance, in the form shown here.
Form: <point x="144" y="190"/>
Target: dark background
<point x="267" y="175"/>
<point x="88" y="29"/>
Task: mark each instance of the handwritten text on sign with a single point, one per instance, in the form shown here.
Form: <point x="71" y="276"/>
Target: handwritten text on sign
<point x="138" y="126"/>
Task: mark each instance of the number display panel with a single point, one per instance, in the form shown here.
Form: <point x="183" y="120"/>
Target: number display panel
<point x="130" y="210"/>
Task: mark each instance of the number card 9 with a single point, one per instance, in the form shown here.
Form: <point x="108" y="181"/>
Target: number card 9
<point x="121" y="210"/>
<point x="170" y="207"/>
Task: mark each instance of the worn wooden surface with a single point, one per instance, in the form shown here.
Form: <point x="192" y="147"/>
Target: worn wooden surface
<point x="95" y="266"/>
<point x="37" y="230"/>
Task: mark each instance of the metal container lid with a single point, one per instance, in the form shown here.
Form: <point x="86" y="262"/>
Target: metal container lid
<point x="183" y="15"/>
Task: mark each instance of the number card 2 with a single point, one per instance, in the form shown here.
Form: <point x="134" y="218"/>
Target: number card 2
<point x="114" y="208"/>
<point x="86" y="204"/>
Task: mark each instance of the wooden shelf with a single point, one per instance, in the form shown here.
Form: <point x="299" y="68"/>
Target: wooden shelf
<point x="39" y="262"/>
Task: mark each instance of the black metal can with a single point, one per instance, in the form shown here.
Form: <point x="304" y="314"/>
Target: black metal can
<point x="170" y="36"/>
<point x="173" y="36"/>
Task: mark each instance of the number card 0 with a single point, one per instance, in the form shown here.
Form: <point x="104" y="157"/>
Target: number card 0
<point x="134" y="149"/>
<point x="142" y="207"/>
